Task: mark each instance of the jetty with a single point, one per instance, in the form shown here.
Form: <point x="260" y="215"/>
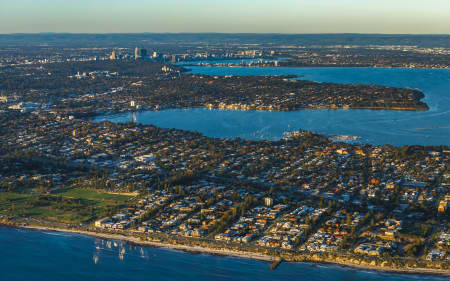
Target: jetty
<point x="275" y="264"/>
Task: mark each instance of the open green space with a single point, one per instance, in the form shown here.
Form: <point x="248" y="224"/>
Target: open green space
<point x="74" y="205"/>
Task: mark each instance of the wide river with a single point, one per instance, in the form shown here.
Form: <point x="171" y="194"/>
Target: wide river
<point x="430" y="127"/>
<point x="52" y="256"/>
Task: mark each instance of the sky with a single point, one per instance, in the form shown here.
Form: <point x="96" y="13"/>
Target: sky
<point x="228" y="16"/>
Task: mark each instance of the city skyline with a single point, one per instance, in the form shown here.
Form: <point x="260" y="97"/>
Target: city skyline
<point x="200" y="16"/>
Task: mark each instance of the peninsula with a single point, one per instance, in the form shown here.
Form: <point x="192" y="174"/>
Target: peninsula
<point x="90" y="88"/>
<point x="304" y="197"/>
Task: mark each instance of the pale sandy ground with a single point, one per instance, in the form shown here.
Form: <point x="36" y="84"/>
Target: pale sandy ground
<point x="226" y="252"/>
<point x="186" y="248"/>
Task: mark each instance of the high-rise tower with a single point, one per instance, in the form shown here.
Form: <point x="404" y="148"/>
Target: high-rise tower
<point x="137" y="54"/>
<point x="143" y="53"/>
<point x="113" y="55"/>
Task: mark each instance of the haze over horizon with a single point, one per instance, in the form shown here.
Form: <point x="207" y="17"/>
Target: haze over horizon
<point x="233" y="16"/>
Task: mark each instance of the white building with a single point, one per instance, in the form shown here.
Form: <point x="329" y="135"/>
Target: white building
<point x="268" y="201"/>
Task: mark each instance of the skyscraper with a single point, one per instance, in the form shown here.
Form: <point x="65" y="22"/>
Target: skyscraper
<point x="143" y="53"/>
<point x="113" y="55"/>
<point x="137" y="54"/>
<point x="140" y="53"/>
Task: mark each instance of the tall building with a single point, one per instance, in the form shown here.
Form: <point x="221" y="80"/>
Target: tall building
<point x="143" y="53"/>
<point x="113" y="55"/>
<point x="155" y="55"/>
<point x="137" y="53"/>
<point x="268" y="201"/>
<point x="140" y="53"/>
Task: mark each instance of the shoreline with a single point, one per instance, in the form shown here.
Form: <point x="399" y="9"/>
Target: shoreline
<point x="317" y="66"/>
<point x="230" y="253"/>
<point x="113" y="113"/>
<point x="137" y="241"/>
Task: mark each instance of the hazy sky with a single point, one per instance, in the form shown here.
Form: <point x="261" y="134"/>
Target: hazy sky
<point x="285" y="16"/>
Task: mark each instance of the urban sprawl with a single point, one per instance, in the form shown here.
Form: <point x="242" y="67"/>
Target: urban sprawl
<point x="303" y="197"/>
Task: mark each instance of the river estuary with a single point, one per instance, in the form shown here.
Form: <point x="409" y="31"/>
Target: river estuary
<point x="77" y="257"/>
<point x="430" y="127"/>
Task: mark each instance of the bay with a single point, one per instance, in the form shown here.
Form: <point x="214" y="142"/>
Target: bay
<point x="431" y="127"/>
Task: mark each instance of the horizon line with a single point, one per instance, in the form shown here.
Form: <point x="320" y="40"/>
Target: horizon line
<point x="225" y="33"/>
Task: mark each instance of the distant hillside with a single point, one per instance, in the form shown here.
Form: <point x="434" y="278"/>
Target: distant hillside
<point x="130" y="40"/>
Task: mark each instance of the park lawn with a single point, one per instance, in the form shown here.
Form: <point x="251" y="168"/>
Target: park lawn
<point x="93" y="194"/>
<point x="74" y="205"/>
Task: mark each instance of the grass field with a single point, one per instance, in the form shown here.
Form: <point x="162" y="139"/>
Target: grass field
<point x="74" y="205"/>
<point x="83" y="193"/>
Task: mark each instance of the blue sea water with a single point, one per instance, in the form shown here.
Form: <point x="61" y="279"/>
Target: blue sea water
<point x="381" y="127"/>
<point x="55" y="256"/>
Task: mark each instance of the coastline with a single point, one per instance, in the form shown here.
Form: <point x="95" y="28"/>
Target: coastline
<point x="244" y="108"/>
<point x="137" y="241"/>
<point x="284" y="65"/>
<point x="232" y="253"/>
<point x="117" y="113"/>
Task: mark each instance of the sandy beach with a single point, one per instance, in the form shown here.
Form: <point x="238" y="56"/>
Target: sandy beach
<point x="186" y="248"/>
<point x="233" y="253"/>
